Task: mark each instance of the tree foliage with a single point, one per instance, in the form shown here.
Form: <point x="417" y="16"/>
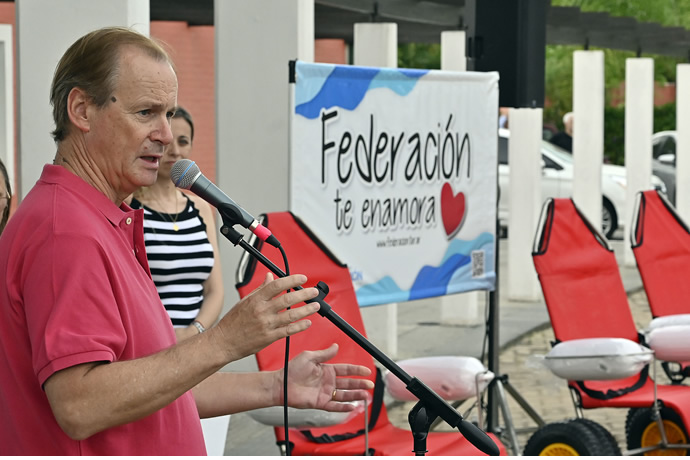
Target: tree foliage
<point x="558" y="69"/>
<point x="419" y="56"/>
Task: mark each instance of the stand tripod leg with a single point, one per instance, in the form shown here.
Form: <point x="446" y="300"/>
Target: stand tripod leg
<point x="501" y="385"/>
<point x="523" y="402"/>
<point x="507" y="417"/>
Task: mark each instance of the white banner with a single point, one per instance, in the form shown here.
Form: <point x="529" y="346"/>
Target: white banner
<point x="395" y="170"/>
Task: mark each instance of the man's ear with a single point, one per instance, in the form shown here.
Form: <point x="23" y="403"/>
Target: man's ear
<point x="78" y="103"/>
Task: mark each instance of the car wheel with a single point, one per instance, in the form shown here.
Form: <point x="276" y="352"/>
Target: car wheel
<point x="609" y="219"/>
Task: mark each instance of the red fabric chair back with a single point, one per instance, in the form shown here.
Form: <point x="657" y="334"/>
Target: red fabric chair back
<point x="579" y="277"/>
<point x="661" y="244"/>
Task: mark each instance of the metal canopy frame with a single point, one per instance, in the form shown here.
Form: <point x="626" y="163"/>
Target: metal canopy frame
<point x="422" y="21"/>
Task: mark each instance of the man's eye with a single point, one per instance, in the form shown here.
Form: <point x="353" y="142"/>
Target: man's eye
<point x="145" y="112"/>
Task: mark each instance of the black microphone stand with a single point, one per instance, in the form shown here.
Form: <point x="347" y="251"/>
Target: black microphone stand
<point x="430" y="405"/>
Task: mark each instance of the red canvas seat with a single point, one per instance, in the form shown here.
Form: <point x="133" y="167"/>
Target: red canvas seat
<point x="308" y="256"/>
<point x="660" y="241"/>
<point x="661" y="244"/>
<point x="585" y="298"/>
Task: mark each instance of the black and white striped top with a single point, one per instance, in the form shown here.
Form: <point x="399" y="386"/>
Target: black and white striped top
<point x="180" y="261"/>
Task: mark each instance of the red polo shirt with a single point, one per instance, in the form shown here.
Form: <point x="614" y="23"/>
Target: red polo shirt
<point x="75" y="287"/>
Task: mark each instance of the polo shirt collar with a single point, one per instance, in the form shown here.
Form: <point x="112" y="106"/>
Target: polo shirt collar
<point x="53" y="174"/>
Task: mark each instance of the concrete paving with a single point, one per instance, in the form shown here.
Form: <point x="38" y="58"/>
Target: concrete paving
<point x="524" y="334"/>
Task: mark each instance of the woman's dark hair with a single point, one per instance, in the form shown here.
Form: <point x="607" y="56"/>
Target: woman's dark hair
<point x="182" y="113"/>
<point x="6" y="213"/>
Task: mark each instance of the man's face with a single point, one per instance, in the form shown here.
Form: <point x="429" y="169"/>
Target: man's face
<point x="128" y="136"/>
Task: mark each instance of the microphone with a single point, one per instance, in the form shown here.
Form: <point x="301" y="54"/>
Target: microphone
<point x="186" y="174"/>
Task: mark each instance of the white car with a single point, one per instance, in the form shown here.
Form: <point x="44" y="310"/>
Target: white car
<point x="664" y="147"/>
<point x="557" y="182"/>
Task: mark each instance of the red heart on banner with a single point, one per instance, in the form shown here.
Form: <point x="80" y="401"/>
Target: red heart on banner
<point x="452" y="209"/>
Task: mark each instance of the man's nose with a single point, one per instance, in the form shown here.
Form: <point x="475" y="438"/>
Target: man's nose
<point x="163" y="133"/>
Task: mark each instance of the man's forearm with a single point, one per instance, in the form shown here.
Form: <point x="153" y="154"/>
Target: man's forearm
<point x="92" y="397"/>
<point x="230" y="392"/>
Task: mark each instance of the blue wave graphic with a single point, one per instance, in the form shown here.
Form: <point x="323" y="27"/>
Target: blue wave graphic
<point x="466" y="247"/>
<point x="383" y="291"/>
<point x="310" y="79"/>
<point x="400" y="81"/>
<point x="453" y="275"/>
<point x="346" y="86"/>
<point x="433" y="281"/>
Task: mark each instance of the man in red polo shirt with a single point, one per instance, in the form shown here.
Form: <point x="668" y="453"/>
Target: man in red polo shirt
<point x="88" y="359"/>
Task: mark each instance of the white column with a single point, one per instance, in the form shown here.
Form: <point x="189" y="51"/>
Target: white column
<point x="588" y="132"/>
<point x="683" y="141"/>
<point x="45" y="29"/>
<point x="639" y="127"/>
<point x="463" y="308"/>
<point x="7" y="103"/>
<point x="453" y="50"/>
<point x="524" y="200"/>
<point x="254" y="42"/>
<point x="376" y="45"/>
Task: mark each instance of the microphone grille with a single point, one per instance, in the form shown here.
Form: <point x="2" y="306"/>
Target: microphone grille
<point x="183" y="173"/>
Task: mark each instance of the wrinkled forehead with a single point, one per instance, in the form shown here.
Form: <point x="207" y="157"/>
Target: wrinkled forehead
<point x="142" y="75"/>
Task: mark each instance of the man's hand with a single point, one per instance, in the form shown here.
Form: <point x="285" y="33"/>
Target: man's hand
<point x="261" y="317"/>
<point x="314" y="385"/>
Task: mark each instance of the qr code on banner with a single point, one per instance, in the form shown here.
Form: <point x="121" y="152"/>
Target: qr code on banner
<point x="477" y="264"/>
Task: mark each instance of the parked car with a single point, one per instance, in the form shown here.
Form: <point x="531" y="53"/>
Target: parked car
<point x="664" y="147"/>
<point x="664" y="160"/>
<point x="557" y="182"/>
<point x="667" y="173"/>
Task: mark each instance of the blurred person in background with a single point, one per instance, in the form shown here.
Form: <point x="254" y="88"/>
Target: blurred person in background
<point x="564" y="139"/>
<point x="5" y="197"/>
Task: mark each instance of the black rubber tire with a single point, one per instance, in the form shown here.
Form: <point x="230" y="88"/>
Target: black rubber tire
<point x="630" y="416"/>
<point x="639" y="419"/>
<point x="608" y="442"/>
<point x="565" y="438"/>
<point x="607" y="209"/>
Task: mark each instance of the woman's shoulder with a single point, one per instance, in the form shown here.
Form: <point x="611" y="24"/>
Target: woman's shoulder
<point x="199" y="203"/>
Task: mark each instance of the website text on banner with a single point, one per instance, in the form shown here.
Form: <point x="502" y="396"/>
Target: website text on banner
<point x="395" y="171"/>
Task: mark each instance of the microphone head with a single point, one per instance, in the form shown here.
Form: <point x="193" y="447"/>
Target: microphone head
<point x="183" y="173"/>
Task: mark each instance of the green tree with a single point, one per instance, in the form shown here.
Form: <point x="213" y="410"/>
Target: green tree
<point x="419" y="56"/>
<point x="558" y="69"/>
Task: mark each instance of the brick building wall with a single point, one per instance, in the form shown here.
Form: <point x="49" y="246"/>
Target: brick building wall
<point x="192" y="51"/>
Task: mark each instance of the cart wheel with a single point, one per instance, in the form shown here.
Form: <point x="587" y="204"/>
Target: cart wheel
<point x="565" y="438"/>
<point x="608" y="442"/>
<point x="641" y="430"/>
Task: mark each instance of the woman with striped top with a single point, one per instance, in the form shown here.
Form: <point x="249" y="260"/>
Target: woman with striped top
<point x="181" y="243"/>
